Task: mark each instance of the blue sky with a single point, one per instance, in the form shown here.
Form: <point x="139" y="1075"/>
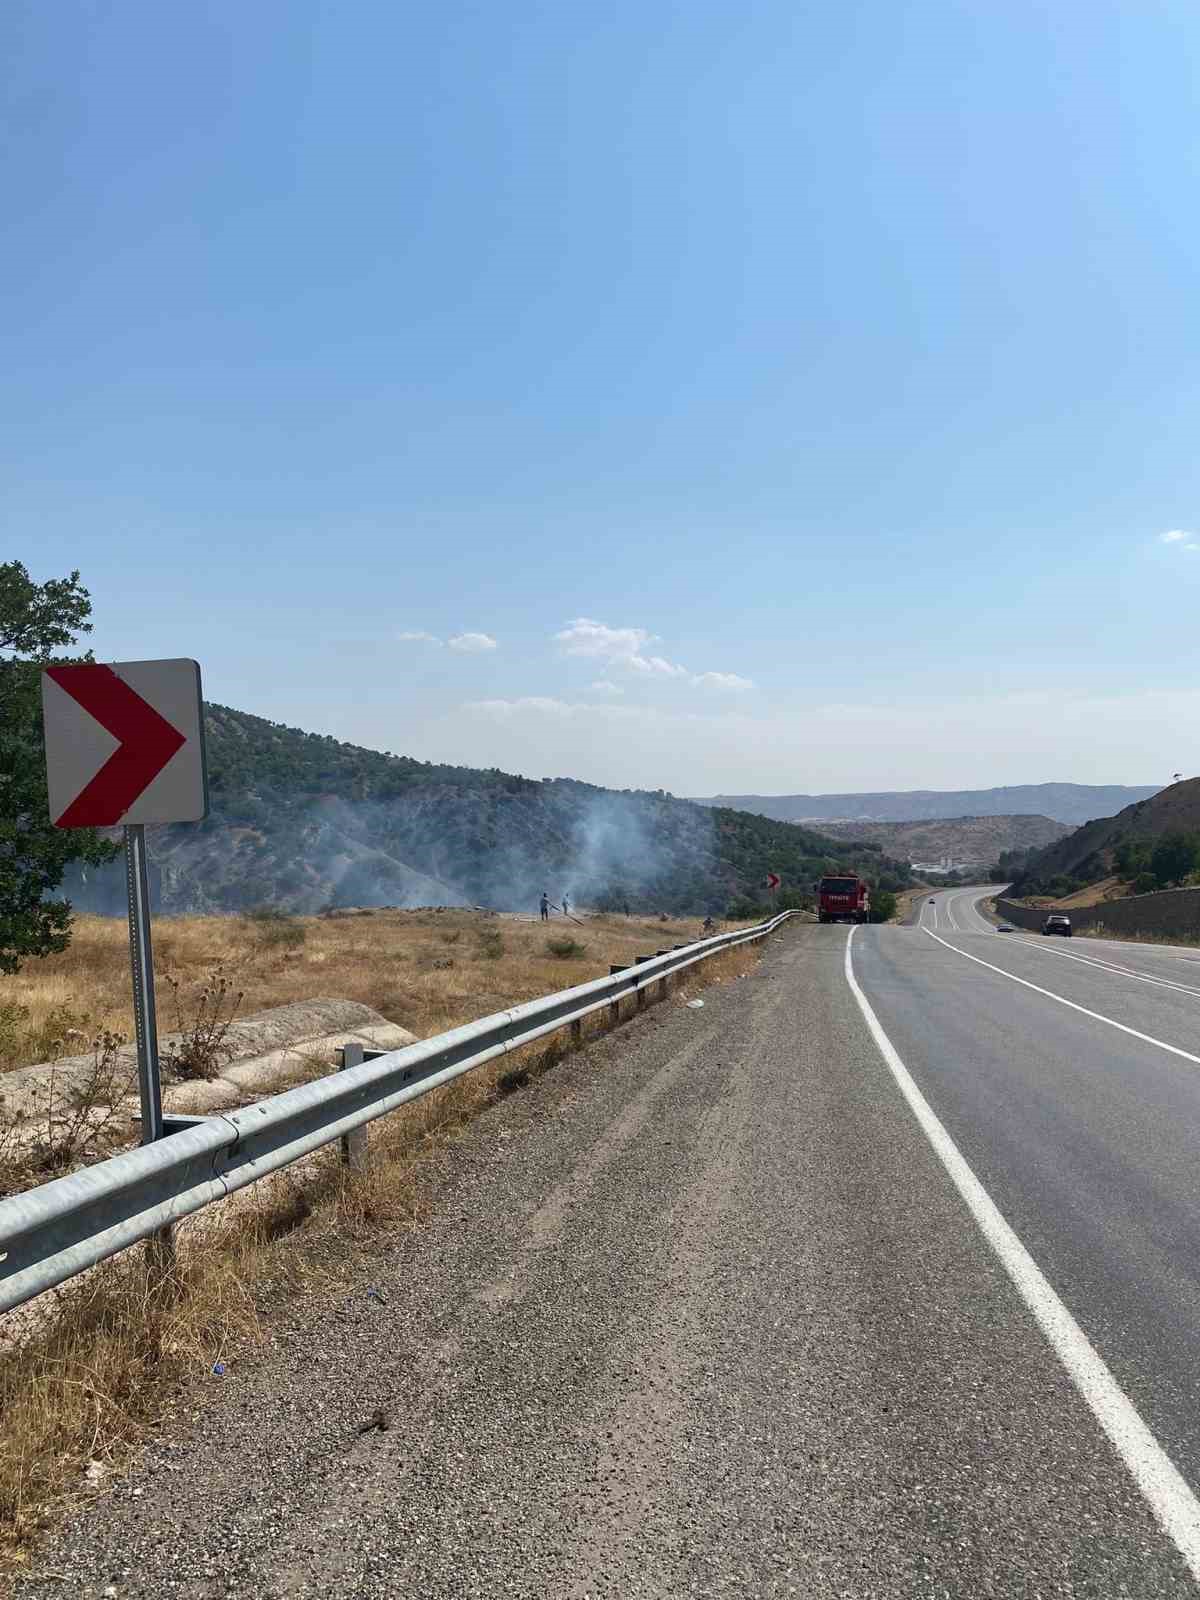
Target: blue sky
<point x="767" y="396"/>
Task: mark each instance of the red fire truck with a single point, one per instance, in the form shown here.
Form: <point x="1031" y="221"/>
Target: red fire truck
<point x="843" y="899"/>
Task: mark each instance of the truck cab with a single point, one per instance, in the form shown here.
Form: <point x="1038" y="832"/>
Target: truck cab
<point x="842" y="897"/>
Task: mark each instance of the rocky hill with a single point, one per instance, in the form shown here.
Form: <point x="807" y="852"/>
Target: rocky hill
<point x="1070" y="803"/>
<point x="976" y="841"/>
<point x="302" y="822"/>
<point x="1090" y="854"/>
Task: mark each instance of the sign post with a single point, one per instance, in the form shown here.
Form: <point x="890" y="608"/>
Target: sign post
<point x="773" y="882"/>
<point x="141" y="958"/>
<point x="124" y="747"/>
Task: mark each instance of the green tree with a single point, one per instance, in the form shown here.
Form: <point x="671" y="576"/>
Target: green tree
<point x="1174" y="857"/>
<point x="1132" y="858"/>
<point x="36" y="622"/>
<point x="883" y="905"/>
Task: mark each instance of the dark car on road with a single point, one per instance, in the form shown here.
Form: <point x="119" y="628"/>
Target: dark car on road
<point x="1057" y="925"/>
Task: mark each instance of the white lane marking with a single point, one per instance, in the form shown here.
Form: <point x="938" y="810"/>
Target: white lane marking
<point x="1097" y="1016"/>
<point x="1156" y="1475"/>
<point x="1050" y="949"/>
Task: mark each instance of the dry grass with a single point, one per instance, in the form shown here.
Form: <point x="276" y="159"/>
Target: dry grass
<point x="80" y="1387"/>
<point x="906" y="899"/>
<point x="426" y="970"/>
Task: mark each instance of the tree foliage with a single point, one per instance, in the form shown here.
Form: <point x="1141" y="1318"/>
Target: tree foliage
<point x="36" y="622"/>
<point x="1174" y="857"/>
<point x="883" y="905"/>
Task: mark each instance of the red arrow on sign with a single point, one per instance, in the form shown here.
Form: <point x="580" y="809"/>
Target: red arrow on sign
<point x="147" y="743"/>
<point x="773" y="880"/>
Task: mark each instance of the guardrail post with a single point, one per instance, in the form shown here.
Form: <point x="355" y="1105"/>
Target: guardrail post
<point x="577" y="1034"/>
<point x="664" y="983"/>
<point x="354" y="1145"/>
<point x="641" y="993"/>
<point x="614" y="1007"/>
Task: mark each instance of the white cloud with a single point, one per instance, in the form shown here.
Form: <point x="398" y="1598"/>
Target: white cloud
<point x="1182" y="537"/>
<point x="626" y="649"/>
<point x="598" y="642"/>
<point x="606" y="686"/>
<point x="418" y="638"/>
<point x="472" y="644"/>
<point x="722" y="680"/>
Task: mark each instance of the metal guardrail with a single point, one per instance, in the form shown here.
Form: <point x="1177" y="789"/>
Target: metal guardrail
<point x="53" y="1232"/>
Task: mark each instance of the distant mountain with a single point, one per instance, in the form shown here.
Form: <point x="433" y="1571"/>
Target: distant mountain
<point x="971" y="841"/>
<point x="302" y="822"/>
<point x="1071" y="803"/>
<point x="1089" y="854"/>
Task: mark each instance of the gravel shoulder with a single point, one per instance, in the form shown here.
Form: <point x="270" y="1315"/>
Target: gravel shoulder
<point x="696" y="1313"/>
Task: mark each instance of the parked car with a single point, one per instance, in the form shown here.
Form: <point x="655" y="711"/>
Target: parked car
<point x="1006" y="927"/>
<point x="1057" y="925"/>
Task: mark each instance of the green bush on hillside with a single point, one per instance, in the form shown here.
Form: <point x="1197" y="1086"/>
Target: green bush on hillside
<point x="1173" y="857"/>
<point x="883" y="905"/>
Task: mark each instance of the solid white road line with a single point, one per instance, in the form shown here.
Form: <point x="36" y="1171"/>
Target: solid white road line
<point x="1050" y="948"/>
<point x="1062" y="1000"/>
<point x="1165" y="1490"/>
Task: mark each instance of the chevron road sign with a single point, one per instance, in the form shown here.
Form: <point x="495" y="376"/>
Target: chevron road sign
<point x="124" y="743"/>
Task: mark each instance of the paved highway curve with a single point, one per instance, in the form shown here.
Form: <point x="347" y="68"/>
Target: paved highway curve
<point x="705" y="1312"/>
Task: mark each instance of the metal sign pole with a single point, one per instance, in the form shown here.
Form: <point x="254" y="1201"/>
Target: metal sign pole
<point x="142" y="960"/>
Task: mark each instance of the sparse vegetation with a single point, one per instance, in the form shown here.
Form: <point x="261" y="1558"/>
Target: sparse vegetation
<point x="26" y="1036"/>
<point x="1154" y="844"/>
<point x="565" y="948"/>
<point x="383" y="958"/>
<point x="204" y="1015"/>
<point x="70" y="1121"/>
<point x="303" y="822"/>
<point x="274" y="927"/>
<point x="79" y="1387"/>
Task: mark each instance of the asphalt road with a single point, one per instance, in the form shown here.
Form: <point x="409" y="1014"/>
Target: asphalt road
<point x="705" y="1312"/>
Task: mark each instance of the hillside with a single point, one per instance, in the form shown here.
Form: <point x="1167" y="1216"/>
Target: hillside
<point x="302" y="822"/>
<point x="1070" y="803"/>
<point x="1090" y="853"/>
<point x="973" y="841"/>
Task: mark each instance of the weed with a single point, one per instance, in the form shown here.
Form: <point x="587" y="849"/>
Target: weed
<point x="565" y="948"/>
<point x="273" y="927"/>
<point x="72" y="1120"/>
<point x="202" y="1049"/>
<point x="24" y="1039"/>
<point x="491" y="944"/>
<point x="451" y="937"/>
<point x="12" y="1031"/>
